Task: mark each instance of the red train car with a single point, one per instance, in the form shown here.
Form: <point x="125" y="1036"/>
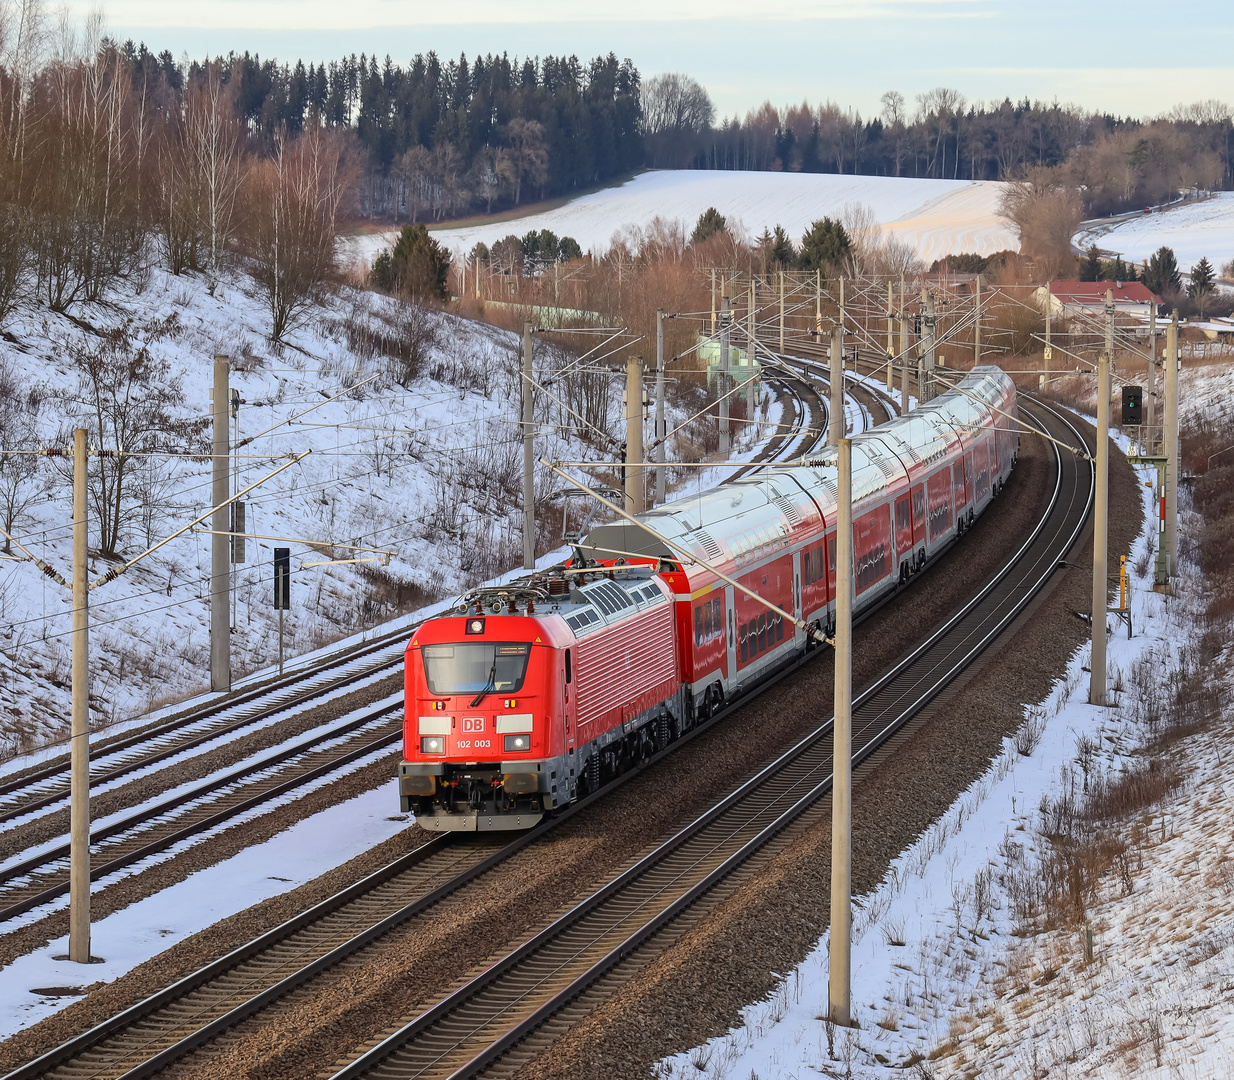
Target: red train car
<point x="536" y="692"/>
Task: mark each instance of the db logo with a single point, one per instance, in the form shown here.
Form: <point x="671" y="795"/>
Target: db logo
<point x="473" y="725"/>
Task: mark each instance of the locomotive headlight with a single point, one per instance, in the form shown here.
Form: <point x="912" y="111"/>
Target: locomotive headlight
<point x="433" y="744"/>
<point x="517" y="742"/>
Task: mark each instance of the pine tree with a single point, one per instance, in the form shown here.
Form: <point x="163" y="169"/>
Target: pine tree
<point x="783" y="254"/>
<point x="1162" y="275"/>
<point x="1090" y="265"/>
<point x="1201" y="286"/>
<point x="418" y="266"/>
<point x="710" y="222"/>
<point x="824" y="246"/>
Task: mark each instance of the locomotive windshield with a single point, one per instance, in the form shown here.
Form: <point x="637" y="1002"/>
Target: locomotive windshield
<point x="475" y="667"/>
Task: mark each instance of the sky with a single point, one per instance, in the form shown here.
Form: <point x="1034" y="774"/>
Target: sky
<point x="1134" y="58"/>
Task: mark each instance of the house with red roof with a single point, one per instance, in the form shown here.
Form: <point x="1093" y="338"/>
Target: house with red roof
<point x="1133" y="300"/>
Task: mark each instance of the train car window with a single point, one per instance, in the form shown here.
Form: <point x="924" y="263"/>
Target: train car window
<point x="831" y="554"/>
<point x="779" y="628"/>
<point x="717" y="614"/>
<point x="745" y="654"/>
<point x="707" y="621"/>
<point x="567" y="667"/>
<point x="762" y="632"/>
<point x="752" y="631"/>
<point x="698" y="626"/>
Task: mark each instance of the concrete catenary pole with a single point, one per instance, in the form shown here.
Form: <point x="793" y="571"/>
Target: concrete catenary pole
<point x="818" y="303"/>
<point x="905" y="359"/>
<point x="529" y="457"/>
<point x="839" y="982"/>
<point x="722" y="381"/>
<point x="220" y="542"/>
<point x="1096" y="678"/>
<point x="660" y="425"/>
<point x="1049" y="312"/>
<point x="1150" y="398"/>
<point x="781" y="311"/>
<point x="79" y="758"/>
<point x="977" y="326"/>
<point x="835" y="418"/>
<point x="1170" y="443"/>
<point x="925" y="391"/>
<point x="751" y="334"/>
<point x="635" y="489"/>
<point x="891" y="337"/>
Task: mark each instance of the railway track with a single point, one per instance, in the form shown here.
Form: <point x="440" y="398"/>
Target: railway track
<point x="46" y="785"/>
<point x="158" y="824"/>
<point x="574" y="963"/>
<point x="191" y="810"/>
<point x="470" y="1029"/>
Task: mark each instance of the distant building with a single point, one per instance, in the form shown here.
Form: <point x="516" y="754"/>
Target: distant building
<point x="1133" y="300"/>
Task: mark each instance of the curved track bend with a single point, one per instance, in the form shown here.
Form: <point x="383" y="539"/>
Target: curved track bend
<point x="520" y="1001"/>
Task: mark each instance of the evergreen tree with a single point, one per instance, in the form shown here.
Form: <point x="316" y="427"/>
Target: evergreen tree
<point x="568" y="250"/>
<point x="1162" y="275"/>
<point x="1090" y="265"/>
<point x="418" y="266"/>
<point x="783" y="254"/>
<point x="824" y="246"/>
<point x="710" y="222"/>
<point x="1201" y="287"/>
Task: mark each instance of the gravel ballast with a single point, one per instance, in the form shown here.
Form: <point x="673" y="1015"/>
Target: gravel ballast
<point x="696" y="988"/>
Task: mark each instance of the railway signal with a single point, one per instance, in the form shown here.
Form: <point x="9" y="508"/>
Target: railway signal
<point x="1133" y="406"/>
<point x="282" y="591"/>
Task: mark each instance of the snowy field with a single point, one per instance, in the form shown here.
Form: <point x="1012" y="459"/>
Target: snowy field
<point x="1196" y="230"/>
<point x="938" y="217"/>
<point x="940" y="955"/>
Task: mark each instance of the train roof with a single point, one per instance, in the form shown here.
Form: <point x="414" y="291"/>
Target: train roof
<point x="761" y="512"/>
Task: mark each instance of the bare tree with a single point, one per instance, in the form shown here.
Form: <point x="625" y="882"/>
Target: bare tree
<point x="212" y="141"/>
<point x="126" y="398"/>
<point x="1046" y="212"/>
<point x="493" y="173"/>
<point x="528" y="153"/>
<point x="413" y="170"/>
<point x="295" y="199"/>
<point x="674" y="103"/>
<point x="22" y="480"/>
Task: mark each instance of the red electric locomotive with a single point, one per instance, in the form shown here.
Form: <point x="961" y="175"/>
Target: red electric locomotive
<point x="539" y="691"/>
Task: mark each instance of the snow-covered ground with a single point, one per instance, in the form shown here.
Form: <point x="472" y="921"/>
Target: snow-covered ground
<point x="1195" y="230"/>
<point x="939" y="952"/>
<point x="429" y="473"/>
<point x="136" y="933"/>
<point x="938" y="217"/>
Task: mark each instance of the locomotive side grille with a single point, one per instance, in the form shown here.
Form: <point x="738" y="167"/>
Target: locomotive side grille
<point x="616" y="668"/>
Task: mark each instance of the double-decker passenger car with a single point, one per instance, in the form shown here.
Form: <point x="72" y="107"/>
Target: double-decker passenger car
<point x="536" y="692"/>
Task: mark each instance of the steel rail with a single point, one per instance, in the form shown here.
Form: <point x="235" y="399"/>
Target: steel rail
<point x="46" y="861"/>
<point x="172" y="726"/>
<point x="879" y="711"/>
<point x="218" y="1023"/>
